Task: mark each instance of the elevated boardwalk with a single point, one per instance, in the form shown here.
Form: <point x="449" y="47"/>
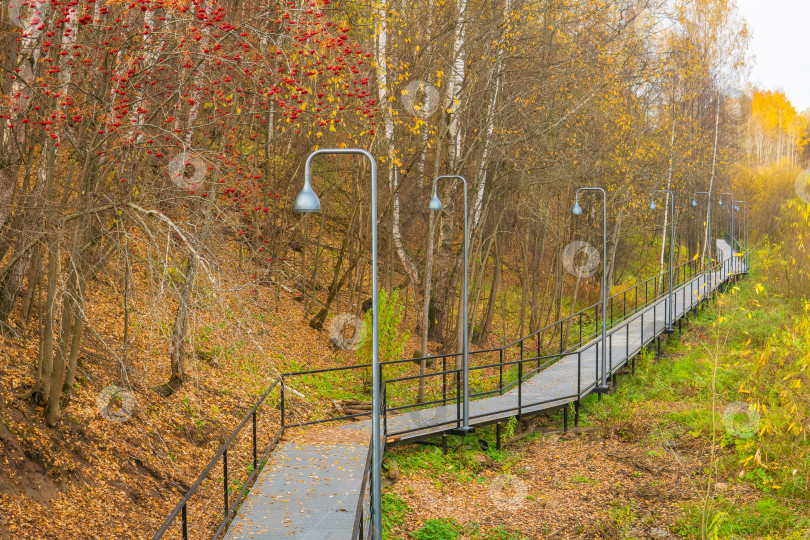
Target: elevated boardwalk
<point x="316" y="488"/>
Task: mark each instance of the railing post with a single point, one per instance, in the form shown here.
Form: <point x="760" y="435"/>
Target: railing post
<point x="596" y="316"/>
<point x="282" y="401"/>
<point x="537" y="344"/>
<point x="500" y="370"/>
<point x="642" y="332"/>
<point x="255" y="460"/>
<point x="185" y="522"/>
<point x="225" y="479"/>
<point x="580" y="328"/>
<point x="520" y="384"/>
<point x="579" y="375"/>
<point x="521" y="352"/>
<point x="624" y="304"/>
<point x="385" y="410"/>
<point x="458" y="397"/>
<point x="627" y="341"/>
<point x="444" y="380"/>
<point x="561" y="345"/>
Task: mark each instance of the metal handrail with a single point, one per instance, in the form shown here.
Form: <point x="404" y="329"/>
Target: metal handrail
<point x="181" y="507"/>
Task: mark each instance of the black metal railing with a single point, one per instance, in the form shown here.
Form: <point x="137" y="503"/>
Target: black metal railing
<point x="211" y="502"/>
<point x="516" y="362"/>
<point x="442" y="380"/>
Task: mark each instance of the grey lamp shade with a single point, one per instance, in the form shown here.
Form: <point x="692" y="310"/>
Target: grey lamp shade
<point x="694" y="202"/>
<point x="652" y="205"/>
<point x="577" y="209"/>
<point x="435" y="203"/>
<point x="307" y="201"/>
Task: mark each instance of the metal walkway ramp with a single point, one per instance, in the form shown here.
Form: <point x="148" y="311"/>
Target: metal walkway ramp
<point x="316" y="487"/>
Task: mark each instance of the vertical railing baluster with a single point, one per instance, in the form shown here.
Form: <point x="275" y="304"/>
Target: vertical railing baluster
<point x="520" y="384"/>
<point x="255" y="459"/>
<point x="537" y="344"/>
<point x="225" y="479"/>
<point x="282" y="402"/>
<point x="500" y="369"/>
<point x="458" y="396"/>
<point x="624" y="304"/>
<point x="444" y="380"/>
<point x="185" y="522"/>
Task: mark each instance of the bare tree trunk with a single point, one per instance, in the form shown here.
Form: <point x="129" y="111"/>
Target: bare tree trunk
<point x="486" y="324"/>
<point x="181" y="319"/>
<point x="666" y="200"/>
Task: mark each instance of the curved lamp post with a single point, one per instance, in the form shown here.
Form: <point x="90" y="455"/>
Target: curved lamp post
<point x="708" y="229"/>
<point x="577" y="211"/>
<point x="435" y="204"/>
<point x="731" y="213"/>
<point x="671" y="306"/>
<point x="307" y="201"/>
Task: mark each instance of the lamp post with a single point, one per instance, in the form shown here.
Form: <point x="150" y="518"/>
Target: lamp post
<point x="435" y="204"/>
<point x="671" y="309"/>
<point x="745" y="227"/>
<point x="731" y="212"/>
<point x="577" y="211"/>
<point x="708" y="228"/>
<point x="307" y="201"/>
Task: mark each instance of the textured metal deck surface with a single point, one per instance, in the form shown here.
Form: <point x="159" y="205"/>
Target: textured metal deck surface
<point x="310" y="489"/>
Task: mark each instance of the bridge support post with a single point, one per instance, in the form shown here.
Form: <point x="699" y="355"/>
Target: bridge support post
<point x="565" y="418"/>
<point x="498" y="435"/>
<point x="576" y="413"/>
<point x="658" y="342"/>
<point x="444" y="444"/>
<point x="633" y="366"/>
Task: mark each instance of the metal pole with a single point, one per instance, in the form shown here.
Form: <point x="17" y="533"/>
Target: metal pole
<point x="745" y="228"/>
<point x="603" y="387"/>
<point x="731" y="211"/>
<point x="708" y="231"/>
<point x="465" y="349"/>
<point x="376" y="451"/>
<point x="671" y="310"/>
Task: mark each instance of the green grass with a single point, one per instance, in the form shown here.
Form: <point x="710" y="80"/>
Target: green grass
<point x="460" y="463"/>
<point x="394" y="510"/>
<point x="449" y="529"/>
<point x="765" y="518"/>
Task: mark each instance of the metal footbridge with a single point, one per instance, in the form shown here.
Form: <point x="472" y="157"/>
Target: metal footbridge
<point x="316" y="485"/>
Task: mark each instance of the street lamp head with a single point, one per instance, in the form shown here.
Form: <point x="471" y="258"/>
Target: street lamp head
<point x="435" y="203"/>
<point x="720" y="201"/>
<point x="577" y="209"/>
<point x="652" y="205"/>
<point x="694" y="202"/>
<point x="737" y="208"/>
<point x="307" y="201"/>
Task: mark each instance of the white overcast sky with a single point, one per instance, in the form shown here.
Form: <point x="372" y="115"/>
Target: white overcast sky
<point x="780" y="46"/>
